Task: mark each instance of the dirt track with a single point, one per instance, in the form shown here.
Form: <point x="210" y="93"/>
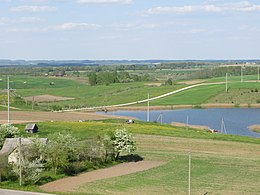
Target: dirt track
<point x="24" y="116"/>
<point x="71" y="184"/>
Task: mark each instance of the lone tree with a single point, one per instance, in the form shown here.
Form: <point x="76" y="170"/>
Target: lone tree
<point x="122" y="141"/>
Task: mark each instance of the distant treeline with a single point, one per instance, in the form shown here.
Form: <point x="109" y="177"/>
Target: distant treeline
<point x="221" y="72"/>
<point x="106" y="78"/>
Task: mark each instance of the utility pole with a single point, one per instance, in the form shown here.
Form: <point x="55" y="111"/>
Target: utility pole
<point x="189" y="173"/>
<point x="8" y="100"/>
<point x="241" y="74"/>
<point x="258" y="73"/>
<point x="226" y="83"/>
<point x="148" y="108"/>
<point x="20" y="161"/>
<point x="223" y="127"/>
<point x="187" y="122"/>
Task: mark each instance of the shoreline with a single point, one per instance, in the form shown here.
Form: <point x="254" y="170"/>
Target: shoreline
<point x="173" y="107"/>
<point x="200" y="127"/>
<point x="255" y="128"/>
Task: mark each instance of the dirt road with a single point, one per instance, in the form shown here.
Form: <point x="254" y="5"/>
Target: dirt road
<point x="71" y="184"/>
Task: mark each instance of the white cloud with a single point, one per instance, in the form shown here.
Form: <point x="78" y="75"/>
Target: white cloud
<point x="76" y="26"/>
<point x="106" y="1"/>
<point x="10" y="21"/>
<point x="30" y="19"/>
<point x="24" y="30"/>
<point x="26" y="8"/>
<point x="6" y="21"/>
<point x="243" y="6"/>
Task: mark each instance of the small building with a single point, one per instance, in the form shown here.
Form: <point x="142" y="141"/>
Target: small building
<point x="31" y="128"/>
<point x="10" y="149"/>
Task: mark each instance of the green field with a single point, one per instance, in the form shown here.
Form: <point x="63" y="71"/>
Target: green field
<point x="221" y="164"/>
<point x="102" y="95"/>
<point x="214" y="170"/>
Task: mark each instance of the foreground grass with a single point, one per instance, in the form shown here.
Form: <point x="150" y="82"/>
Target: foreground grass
<point x="221" y="164"/>
<point x="217" y="168"/>
<point x="85" y="130"/>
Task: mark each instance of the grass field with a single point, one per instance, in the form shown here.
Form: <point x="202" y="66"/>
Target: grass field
<point x="87" y="96"/>
<point x="217" y="168"/>
<point x="84" y="130"/>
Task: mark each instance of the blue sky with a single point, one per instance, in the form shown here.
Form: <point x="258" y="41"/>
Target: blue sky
<point x="129" y="29"/>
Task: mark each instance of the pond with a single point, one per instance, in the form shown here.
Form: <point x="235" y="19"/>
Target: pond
<point x="236" y="120"/>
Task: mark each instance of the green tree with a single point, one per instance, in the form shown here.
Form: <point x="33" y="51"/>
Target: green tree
<point x="168" y="82"/>
<point x="61" y="149"/>
<point x="92" y="78"/>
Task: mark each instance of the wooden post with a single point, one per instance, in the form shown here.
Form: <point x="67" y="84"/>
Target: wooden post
<point x="189" y="173"/>
<point x="20" y="162"/>
<point x="148" y="108"/>
<point x="8" y="99"/>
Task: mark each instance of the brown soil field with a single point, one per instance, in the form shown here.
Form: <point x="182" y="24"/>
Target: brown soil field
<point x="191" y="126"/>
<point x="71" y="184"/>
<point x="24" y="116"/>
<point x="192" y="82"/>
<point x="47" y="98"/>
<point x="153" y="84"/>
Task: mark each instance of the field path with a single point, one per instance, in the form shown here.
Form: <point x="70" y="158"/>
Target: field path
<point x="145" y="100"/>
<point x="70" y="184"/>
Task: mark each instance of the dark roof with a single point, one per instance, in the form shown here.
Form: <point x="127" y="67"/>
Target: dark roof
<point x="11" y="144"/>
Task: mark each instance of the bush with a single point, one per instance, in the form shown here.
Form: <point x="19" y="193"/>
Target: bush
<point x="7" y="174"/>
<point x="168" y="82"/>
<point x="56" y="107"/>
<point x="74" y="168"/>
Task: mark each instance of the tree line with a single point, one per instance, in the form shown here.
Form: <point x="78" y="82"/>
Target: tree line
<point x="101" y="78"/>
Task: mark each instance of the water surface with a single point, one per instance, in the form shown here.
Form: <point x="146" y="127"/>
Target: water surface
<point x="236" y="120"/>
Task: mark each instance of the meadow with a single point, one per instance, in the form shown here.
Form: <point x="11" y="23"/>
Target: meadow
<point x="87" y="96"/>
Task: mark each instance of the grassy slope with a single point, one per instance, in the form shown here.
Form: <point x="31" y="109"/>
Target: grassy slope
<point x="217" y="170"/>
<point x="83" y="93"/>
<point x="218" y="166"/>
<point x="85" y="130"/>
<point x="193" y="96"/>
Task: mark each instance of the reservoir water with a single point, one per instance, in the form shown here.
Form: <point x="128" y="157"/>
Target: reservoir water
<point x="236" y="120"/>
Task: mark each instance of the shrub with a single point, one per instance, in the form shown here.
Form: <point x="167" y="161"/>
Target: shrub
<point x="74" y="168"/>
<point x="168" y="82"/>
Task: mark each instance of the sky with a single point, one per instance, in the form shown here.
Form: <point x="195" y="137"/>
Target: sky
<point x="129" y="29"/>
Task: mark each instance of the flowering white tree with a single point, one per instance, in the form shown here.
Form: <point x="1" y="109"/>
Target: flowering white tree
<point x="31" y="170"/>
<point x="7" y="131"/>
<point x="122" y="141"/>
